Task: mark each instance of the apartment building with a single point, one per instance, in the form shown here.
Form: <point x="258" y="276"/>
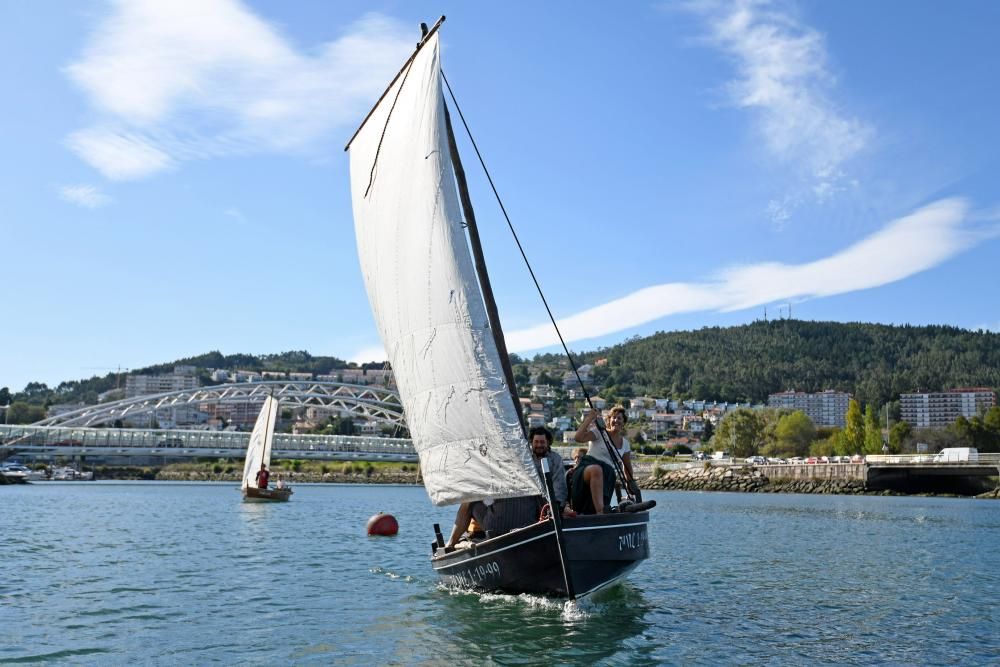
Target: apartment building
<point x="825" y="408"/>
<point x="942" y="408"/>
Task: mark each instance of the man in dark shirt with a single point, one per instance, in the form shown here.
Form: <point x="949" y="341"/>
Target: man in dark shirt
<point x="262" y="476"/>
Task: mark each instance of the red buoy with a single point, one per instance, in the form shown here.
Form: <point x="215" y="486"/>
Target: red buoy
<point x="383" y="524"/>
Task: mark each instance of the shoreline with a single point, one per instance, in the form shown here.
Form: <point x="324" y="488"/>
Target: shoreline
<point x="696" y="479"/>
<point x="748" y="480"/>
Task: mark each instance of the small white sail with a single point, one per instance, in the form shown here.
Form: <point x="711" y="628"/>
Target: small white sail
<point x="426" y="299"/>
<point x="259" y="449"/>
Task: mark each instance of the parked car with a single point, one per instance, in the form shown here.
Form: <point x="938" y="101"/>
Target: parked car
<point x="756" y="460"/>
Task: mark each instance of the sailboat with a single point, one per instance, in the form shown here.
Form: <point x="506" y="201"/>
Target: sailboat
<point x="434" y="309"/>
<point x="259" y="453"/>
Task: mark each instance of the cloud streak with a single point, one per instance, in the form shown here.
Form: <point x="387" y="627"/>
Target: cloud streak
<point x="783" y="76"/>
<point x="906" y="246"/>
<point x="195" y="79"/>
<point x="86" y="196"/>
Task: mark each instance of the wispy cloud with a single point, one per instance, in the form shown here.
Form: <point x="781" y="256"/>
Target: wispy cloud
<point x="904" y="247"/>
<point x="783" y="75"/>
<point x="236" y="214"/>
<point x="87" y="196"/>
<point x="369" y="354"/>
<point x="193" y="79"/>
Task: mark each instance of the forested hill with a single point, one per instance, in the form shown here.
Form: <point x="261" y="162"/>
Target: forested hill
<point x="874" y="362"/>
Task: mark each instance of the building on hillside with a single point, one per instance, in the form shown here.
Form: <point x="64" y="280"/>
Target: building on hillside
<point x="693" y="425"/>
<point x="243" y="413"/>
<point x="942" y="408"/>
<point x="824" y="408"/>
<point x="535" y="419"/>
<point x="560" y="424"/>
<point x="63" y="408"/>
<point x="144" y="385"/>
<point x="543" y="392"/>
<point x="300" y="377"/>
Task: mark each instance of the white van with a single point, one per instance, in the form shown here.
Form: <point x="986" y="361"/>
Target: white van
<point x="956" y="455"/>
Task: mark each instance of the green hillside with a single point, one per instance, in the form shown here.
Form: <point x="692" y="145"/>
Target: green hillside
<point x="875" y="362"/>
<point x="745" y="363"/>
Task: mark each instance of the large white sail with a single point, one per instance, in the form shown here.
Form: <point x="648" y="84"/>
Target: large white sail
<point x="426" y="299"/>
<point x="259" y="449"/>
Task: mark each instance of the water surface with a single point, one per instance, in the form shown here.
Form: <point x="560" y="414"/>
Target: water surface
<point x="161" y="573"/>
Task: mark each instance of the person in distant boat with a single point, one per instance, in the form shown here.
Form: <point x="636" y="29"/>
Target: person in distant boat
<point x="594" y="477"/>
<point x="541" y="448"/>
<point x="280" y="483"/>
<point x="262" y="477"/>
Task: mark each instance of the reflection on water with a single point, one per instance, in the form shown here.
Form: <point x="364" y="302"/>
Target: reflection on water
<point x="112" y="573"/>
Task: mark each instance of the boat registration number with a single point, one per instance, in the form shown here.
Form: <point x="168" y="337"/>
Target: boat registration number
<point x="631" y="541"/>
<point x="477" y="574"/>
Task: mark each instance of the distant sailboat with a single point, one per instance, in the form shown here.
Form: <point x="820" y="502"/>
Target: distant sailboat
<point x="435" y="314"/>
<point x="259" y="452"/>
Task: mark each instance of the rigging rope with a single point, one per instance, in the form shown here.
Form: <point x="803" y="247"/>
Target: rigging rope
<point x="616" y="457"/>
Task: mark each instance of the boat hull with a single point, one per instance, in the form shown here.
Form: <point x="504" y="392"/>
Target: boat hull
<point x="600" y="550"/>
<point x="252" y="495"/>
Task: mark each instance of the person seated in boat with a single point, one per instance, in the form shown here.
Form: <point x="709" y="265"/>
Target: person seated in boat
<point x="578" y="454"/>
<point x="470" y="519"/>
<point x="496" y="517"/>
<point x="541" y="448"/>
<point x="280" y="484"/>
<point x="262" y="477"/>
<point x="594" y="478"/>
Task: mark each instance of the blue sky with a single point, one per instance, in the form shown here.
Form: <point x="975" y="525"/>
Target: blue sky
<point x="174" y="180"/>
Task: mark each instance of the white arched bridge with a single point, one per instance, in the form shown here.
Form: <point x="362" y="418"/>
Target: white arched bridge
<point x="373" y="403"/>
<point x="89" y="431"/>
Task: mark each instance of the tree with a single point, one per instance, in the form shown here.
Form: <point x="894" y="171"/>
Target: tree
<point x="741" y="433"/>
<point x="854" y="431"/>
<point x="792" y="435"/>
<point x="4" y="396"/>
<point x="899" y="436"/>
<point x="873" y="434"/>
<point x="707" y="432"/>
<point x="991" y="424"/>
<point x="21" y="412"/>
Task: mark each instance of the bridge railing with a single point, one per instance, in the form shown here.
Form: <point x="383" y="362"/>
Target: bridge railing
<point x="110" y="439"/>
<point x="981" y="458"/>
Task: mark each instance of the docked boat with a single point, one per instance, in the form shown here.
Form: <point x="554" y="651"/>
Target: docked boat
<point x="259" y="456"/>
<point x="430" y="295"/>
<point x="18" y="473"/>
<point x="70" y="474"/>
<point x="14" y="473"/>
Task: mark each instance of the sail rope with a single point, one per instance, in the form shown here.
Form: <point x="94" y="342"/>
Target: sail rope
<point x="371" y="176"/>
<point x="616" y="456"/>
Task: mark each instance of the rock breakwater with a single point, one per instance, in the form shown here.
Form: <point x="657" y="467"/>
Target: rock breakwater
<point x="749" y="480"/>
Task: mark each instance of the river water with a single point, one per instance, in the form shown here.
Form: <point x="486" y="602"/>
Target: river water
<point x="109" y="573"/>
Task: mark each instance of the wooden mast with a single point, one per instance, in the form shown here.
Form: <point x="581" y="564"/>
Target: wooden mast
<point x="494" y="318"/>
<point x="480" y="260"/>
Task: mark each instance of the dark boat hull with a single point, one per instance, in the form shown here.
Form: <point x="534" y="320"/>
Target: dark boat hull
<point x="253" y="495"/>
<point x="600" y="550"/>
